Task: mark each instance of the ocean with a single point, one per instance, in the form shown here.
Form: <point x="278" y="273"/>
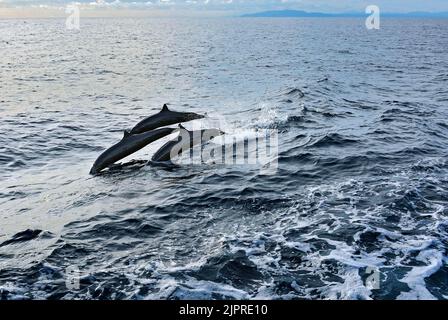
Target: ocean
<point x="356" y="209"/>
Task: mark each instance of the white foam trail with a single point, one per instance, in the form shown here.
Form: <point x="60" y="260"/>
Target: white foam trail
<point x="415" y="278"/>
<point x="352" y="289"/>
<point x="192" y="289"/>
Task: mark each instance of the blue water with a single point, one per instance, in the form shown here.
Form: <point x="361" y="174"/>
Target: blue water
<point x="361" y="188"/>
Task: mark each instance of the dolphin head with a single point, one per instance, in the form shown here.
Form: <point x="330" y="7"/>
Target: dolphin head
<point x="94" y="170"/>
<point x="186" y="116"/>
<point x="193" y="116"/>
<point x="99" y="165"/>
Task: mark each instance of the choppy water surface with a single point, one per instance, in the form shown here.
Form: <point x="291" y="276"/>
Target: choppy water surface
<point x="362" y="179"/>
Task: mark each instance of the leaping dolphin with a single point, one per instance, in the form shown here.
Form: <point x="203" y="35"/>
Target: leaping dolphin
<point x="165" y="117"/>
<point x="129" y="144"/>
<point x="185" y="141"/>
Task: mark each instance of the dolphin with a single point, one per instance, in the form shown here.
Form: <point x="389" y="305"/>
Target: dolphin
<point x="128" y="145"/>
<point x="185" y="141"/>
<point x="165" y="117"/>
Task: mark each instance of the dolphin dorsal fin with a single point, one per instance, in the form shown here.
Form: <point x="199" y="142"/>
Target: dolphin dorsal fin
<point x="165" y="108"/>
<point x="126" y="134"/>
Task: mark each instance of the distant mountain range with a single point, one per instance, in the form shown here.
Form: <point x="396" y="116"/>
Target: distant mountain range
<point x="304" y="14"/>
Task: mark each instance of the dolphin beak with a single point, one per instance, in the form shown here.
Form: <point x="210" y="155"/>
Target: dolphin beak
<point x="195" y="116"/>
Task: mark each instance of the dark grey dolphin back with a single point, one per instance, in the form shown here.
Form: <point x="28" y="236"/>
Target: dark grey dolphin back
<point x="128" y="145"/>
<point x="165" y="117"/>
<point x="165" y="153"/>
<point x="185" y="141"/>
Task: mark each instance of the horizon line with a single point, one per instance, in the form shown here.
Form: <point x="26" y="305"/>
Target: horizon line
<point x="140" y="9"/>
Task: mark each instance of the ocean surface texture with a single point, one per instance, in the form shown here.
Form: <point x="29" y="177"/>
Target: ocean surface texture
<point x="358" y="208"/>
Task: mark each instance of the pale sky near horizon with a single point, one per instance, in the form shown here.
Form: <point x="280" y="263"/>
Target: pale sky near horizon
<point x="204" y="8"/>
<point x="254" y="5"/>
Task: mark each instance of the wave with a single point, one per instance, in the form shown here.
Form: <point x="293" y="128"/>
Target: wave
<point x="332" y="139"/>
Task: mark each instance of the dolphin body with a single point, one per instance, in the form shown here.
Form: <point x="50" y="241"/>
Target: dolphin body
<point x="128" y="145"/>
<point x="165" y="117"/>
<point x="185" y="141"/>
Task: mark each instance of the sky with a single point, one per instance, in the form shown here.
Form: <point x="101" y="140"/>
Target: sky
<point x="232" y="6"/>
